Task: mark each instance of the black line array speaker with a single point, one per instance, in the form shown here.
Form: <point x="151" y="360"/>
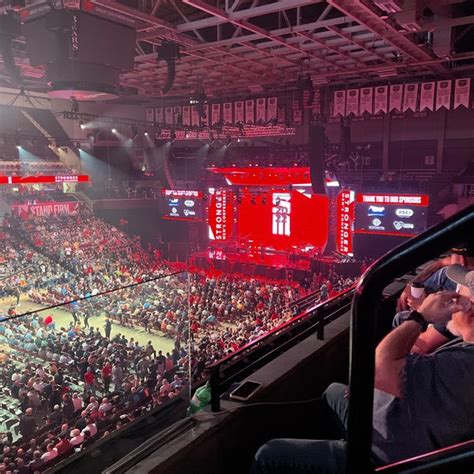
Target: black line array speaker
<point x="316" y="158"/>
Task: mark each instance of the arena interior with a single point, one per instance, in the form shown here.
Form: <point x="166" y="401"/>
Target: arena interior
<point x="236" y="236"/>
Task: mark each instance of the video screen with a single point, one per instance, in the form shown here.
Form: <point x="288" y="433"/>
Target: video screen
<point x="402" y="215"/>
<point x="182" y="205"/>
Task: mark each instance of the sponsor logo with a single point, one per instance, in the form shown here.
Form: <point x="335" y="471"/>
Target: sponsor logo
<point x="376" y="211"/>
<point x="399" y="225"/>
<point x="376" y="222"/>
<point x="189" y="203"/>
<point x="174" y="210"/>
<point x="173" y="202"/>
<point x="404" y="212"/>
<point x="188" y="212"/>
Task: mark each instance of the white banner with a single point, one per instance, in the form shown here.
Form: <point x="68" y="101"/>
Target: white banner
<point x="297" y="113"/>
<point x="443" y="94"/>
<point x="339" y="103"/>
<point x="410" y="97"/>
<point x="367" y="100"/>
<point x="427" y="96"/>
<point x="149" y="114"/>
<point x="381" y="99"/>
<point x="216" y="113"/>
<point x="261" y="111"/>
<point x="169" y="115"/>
<point x="228" y="113"/>
<point x="462" y="92"/>
<point x="352" y="102"/>
<point x="249" y="111"/>
<point x="281" y="114"/>
<point x="205" y="117"/>
<point x="396" y="92"/>
<point x="194" y="116"/>
<point x="272" y="112"/>
<point x="159" y="115"/>
<point x="239" y="112"/>
<point x="177" y="117"/>
<point x="186" y="115"/>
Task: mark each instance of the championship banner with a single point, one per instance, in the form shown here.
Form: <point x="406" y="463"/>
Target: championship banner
<point x="249" y="111"/>
<point x="177" y="117"/>
<point x="272" y="111"/>
<point x="427" y="96"/>
<point x="205" y="118"/>
<point x="443" y="94"/>
<point x="297" y="113"/>
<point x="149" y="114"/>
<point x="462" y="92"/>
<point x="366" y="100"/>
<point x="194" y="116"/>
<point x="381" y="100"/>
<point x="216" y="113"/>
<point x="46" y="209"/>
<point x="345" y="217"/>
<point x="169" y="115"/>
<point x="352" y="102"/>
<point x="261" y="111"/>
<point x="186" y="115"/>
<point x="239" y="112"/>
<point x="159" y="115"/>
<point x="221" y="215"/>
<point x="228" y="113"/>
<point x="396" y="92"/>
<point x="410" y="97"/>
<point x="339" y="103"/>
<point x="281" y="114"/>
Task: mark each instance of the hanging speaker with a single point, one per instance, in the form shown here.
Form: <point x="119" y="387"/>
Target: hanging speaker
<point x="316" y="158"/>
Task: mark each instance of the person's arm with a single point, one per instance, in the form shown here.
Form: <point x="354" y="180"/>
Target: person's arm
<point x="391" y="353"/>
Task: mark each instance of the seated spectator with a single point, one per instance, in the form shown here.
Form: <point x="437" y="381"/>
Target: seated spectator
<point x="76" y="437"/>
<point x="64" y="445"/>
<point x="51" y="453"/>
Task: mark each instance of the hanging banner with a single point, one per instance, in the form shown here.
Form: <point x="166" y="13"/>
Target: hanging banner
<point x="46" y="209"/>
<point x="352" y="102"/>
<point x="366" y="100"/>
<point x="249" y="111"/>
<point x="381" y="100"/>
<point x="396" y="92"/>
<point x="427" y="96"/>
<point x="228" y="113"/>
<point x="159" y="115"/>
<point x="462" y="92"/>
<point x="149" y="114"/>
<point x="297" y="113"/>
<point x="177" y="117"/>
<point x="261" y="111"/>
<point x="272" y="111"/>
<point x="410" y="97"/>
<point x="316" y="107"/>
<point x="239" y="112"/>
<point x="205" y="117"/>
<point x="194" y="116"/>
<point x="169" y="115"/>
<point x="221" y="215"/>
<point x="216" y="114"/>
<point x="443" y="94"/>
<point x="186" y="115"/>
<point x="339" y="103"/>
<point x="281" y="114"/>
<point x="345" y="217"/>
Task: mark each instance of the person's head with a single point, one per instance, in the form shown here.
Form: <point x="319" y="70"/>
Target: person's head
<point x="75" y="432"/>
<point x="463" y="320"/>
<point x="37" y="454"/>
<point x="50" y="446"/>
<point x="56" y="408"/>
<point x="29" y="411"/>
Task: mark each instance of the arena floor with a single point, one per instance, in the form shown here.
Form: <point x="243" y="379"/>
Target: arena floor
<point x="63" y="318"/>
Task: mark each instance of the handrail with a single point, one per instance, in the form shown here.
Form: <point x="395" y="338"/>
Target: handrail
<point x="407" y="256"/>
<point x="241" y="352"/>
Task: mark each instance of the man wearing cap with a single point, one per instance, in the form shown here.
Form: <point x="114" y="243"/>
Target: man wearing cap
<point x="421" y="402"/>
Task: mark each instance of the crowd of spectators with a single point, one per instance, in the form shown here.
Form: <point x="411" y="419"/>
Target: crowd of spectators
<point x="26" y="195"/>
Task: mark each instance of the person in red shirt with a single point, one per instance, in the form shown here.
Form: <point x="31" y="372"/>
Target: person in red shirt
<point x="64" y="446"/>
<point x="107" y="375"/>
<point x="89" y="381"/>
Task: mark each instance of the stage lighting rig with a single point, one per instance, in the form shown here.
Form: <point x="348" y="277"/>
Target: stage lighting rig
<point x="199" y="99"/>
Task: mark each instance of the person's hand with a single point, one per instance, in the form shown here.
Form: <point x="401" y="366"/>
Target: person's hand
<point x="402" y="303"/>
<point x="414" y="303"/>
<point x="438" y="307"/>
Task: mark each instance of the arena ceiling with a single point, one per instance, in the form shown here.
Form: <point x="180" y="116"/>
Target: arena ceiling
<point x="235" y="47"/>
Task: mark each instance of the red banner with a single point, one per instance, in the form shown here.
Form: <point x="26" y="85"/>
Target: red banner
<point x="412" y="199"/>
<point x="221" y="215"/>
<point x="44" y="179"/>
<point x="345" y="217"/>
<point x="45" y="209"/>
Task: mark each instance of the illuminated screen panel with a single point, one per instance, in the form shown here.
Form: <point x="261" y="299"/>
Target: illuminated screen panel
<point x="391" y="214"/>
<point x="181" y="205"/>
<point x="283" y="220"/>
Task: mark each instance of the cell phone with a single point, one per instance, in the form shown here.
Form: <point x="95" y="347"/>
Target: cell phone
<point x="245" y="390"/>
